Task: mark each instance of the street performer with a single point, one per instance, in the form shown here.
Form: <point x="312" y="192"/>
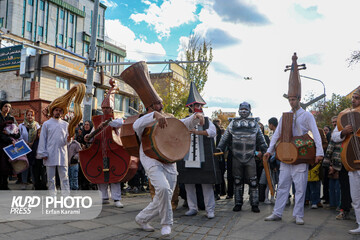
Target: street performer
<point x="298" y="173"/>
<point x="107" y="107"/>
<point x="354" y="173"/>
<point x="199" y="165"/>
<point x="243" y="136"/>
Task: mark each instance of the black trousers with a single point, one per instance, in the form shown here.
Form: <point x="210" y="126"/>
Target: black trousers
<point x="345" y="190"/>
<point x="230" y="177"/>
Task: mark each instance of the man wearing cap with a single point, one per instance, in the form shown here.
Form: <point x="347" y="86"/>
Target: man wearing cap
<point x="199" y="165"/>
<point x="53" y="149"/>
<point x="243" y="136"/>
<point x="354" y="176"/>
<point x="303" y="122"/>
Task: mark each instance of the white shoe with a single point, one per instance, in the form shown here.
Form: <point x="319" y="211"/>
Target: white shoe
<point x="145" y="226"/>
<point x="299" y="221"/>
<point x="355" y="231"/>
<point x="165" y="230"/>
<point x="314" y="206"/>
<point x="118" y="204"/>
<point x="191" y="212"/>
<point x="267" y="201"/>
<point x="210" y="215"/>
<point x="273" y="217"/>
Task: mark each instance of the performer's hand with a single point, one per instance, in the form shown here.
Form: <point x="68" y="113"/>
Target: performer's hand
<point x="45" y="158"/>
<point x="259" y="155"/>
<point x="13" y="142"/>
<point x="266" y="156"/>
<point x="200" y="116"/>
<point x="161" y="119"/>
<point x="318" y="159"/>
<point x="86" y="138"/>
<point x="331" y="170"/>
<point x="347" y="130"/>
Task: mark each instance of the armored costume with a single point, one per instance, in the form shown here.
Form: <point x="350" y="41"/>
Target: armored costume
<point x="242" y="137"/>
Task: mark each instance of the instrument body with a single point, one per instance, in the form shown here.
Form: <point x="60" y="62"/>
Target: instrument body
<point x="294" y="149"/>
<point x="350" y="154"/>
<point x="105" y="161"/>
<point x="128" y="136"/>
<point x="169" y="144"/>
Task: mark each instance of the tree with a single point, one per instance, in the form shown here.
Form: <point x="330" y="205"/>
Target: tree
<point x="174" y="94"/>
<point x="224" y="117"/>
<point x="323" y="112"/>
<point x="198" y="49"/>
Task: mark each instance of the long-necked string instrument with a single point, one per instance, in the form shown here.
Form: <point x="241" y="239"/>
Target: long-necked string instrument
<point x="350" y="154"/>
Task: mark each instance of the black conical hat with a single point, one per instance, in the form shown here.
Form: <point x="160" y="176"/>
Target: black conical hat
<point x="194" y="96"/>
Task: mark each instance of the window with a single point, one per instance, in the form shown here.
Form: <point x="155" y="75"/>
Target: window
<point x="31" y="2"/>
<point x="99" y="96"/>
<point x="61" y="38"/>
<point x="62" y="83"/>
<point x="29" y="26"/>
<point x="42" y="5"/>
<point x="62" y="15"/>
<point x="71" y="18"/>
<point x="1" y="22"/>
<point x="86" y="47"/>
<point x="118" y="102"/>
<point x="41" y="31"/>
<point x="70" y="42"/>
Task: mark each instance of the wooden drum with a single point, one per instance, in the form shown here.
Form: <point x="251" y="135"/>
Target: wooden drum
<point x="168" y="144"/>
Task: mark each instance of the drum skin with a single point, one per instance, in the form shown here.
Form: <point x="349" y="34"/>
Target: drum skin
<point x="168" y="144"/>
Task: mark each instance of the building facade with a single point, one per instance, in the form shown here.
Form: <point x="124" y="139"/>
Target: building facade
<point x="62" y="26"/>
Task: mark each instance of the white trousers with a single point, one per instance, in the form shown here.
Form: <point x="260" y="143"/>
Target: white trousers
<point x="164" y="184"/>
<point x="64" y="179"/>
<point x="115" y="189"/>
<point x="209" y="198"/>
<point x="288" y="174"/>
<point x="354" y="179"/>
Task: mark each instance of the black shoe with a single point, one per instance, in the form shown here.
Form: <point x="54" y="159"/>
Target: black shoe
<point x="255" y="209"/>
<point x="217" y="197"/>
<point x="229" y="197"/>
<point x="237" y="208"/>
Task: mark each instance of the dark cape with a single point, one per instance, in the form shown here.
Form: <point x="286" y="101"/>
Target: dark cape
<point x="209" y="173"/>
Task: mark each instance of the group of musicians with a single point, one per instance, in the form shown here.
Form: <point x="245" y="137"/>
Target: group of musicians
<point x="200" y="165"/>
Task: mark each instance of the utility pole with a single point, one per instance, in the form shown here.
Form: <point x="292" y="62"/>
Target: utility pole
<point x="91" y="64"/>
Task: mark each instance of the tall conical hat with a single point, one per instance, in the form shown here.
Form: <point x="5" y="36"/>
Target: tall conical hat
<point x="194" y="96"/>
<point x="138" y="77"/>
<point x="294" y="79"/>
<point x="109" y="99"/>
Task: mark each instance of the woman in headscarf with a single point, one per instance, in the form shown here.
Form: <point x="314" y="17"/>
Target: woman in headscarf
<point x="28" y="132"/>
<point x="5" y="140"/>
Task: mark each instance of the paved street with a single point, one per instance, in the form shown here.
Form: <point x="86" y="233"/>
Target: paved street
<point x="118" y="223"/>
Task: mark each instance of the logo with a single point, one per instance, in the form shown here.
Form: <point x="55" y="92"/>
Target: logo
<point x="19" y="205"/>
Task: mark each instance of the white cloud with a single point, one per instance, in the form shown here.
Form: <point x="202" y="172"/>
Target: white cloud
<point x="171" y="14"/>
<point x="109" y="3"/>
<point x="136" y="48"/>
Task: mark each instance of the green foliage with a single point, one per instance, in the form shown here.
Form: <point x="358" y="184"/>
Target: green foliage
<point x="174" y="94"/>
<point x="198" y="50"/>
<point x="325" y="111"/>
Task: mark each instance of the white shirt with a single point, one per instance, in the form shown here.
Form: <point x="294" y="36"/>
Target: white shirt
<point x="303" y="122"/>
<point x="53" y="143"/>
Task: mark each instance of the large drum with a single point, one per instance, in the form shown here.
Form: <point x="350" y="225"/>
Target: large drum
<point x="168" y="144"/>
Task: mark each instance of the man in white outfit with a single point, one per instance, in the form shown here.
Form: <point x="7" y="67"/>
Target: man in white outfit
<point x="53" y="150"/>
<point x="354" y="176"/>
<point x="303" y="122"/>
<point x="162" y="176"/>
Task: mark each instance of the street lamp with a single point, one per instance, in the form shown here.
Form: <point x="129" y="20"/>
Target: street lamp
<point x="305" y="105"/>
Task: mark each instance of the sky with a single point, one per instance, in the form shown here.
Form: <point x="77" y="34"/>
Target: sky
<point x="250" y="39"/>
